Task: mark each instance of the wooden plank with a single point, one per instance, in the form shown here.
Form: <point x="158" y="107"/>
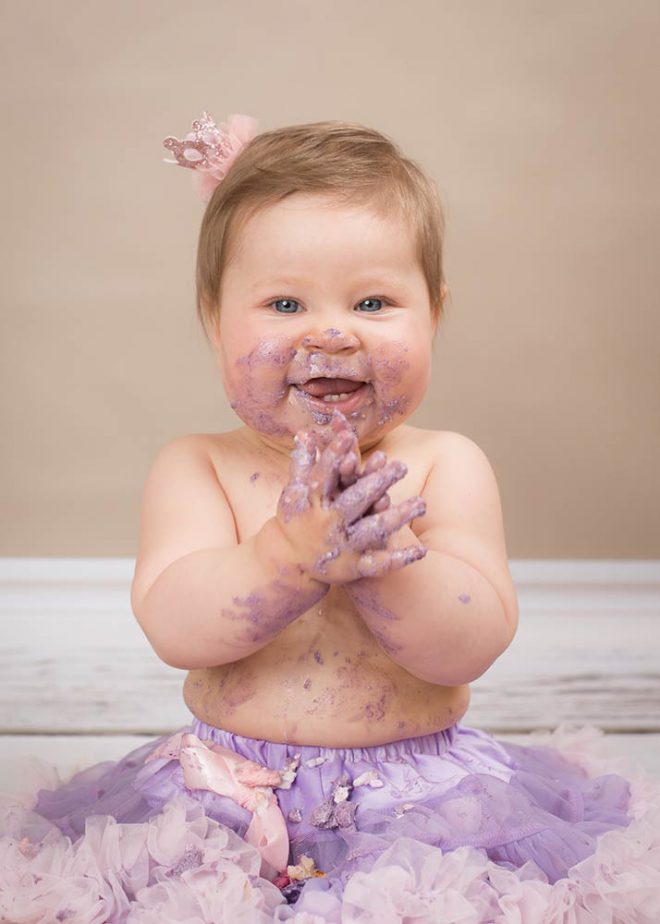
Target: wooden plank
<point x="590" y="666"/>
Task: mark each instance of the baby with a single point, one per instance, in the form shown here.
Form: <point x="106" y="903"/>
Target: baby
<point x="332" y="578"/>
<point x="327" y="573"/>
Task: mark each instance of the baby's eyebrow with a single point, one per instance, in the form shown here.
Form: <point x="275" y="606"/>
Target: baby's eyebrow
<point x="371" y="278"/>
<point x="282" y="281"/>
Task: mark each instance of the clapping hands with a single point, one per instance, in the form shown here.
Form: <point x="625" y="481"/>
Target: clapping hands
<point x="338" y="519"/>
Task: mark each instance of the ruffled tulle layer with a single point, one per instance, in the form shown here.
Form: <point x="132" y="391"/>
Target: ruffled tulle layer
<point x="173" y="862"/>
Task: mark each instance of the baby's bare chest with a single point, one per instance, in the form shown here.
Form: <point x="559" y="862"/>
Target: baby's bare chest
<point x="324" y="679"/>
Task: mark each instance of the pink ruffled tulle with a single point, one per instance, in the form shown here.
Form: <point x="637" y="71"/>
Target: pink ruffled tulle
<point x="180" y="865"/>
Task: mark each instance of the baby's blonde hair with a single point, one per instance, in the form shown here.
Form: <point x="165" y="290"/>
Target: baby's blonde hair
<point x="354" y="164"/>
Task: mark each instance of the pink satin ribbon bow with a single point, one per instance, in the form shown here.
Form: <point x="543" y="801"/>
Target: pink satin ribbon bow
<point x="207" y="765"/>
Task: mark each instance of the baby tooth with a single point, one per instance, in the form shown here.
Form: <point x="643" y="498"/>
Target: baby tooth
<point x="332" y="399"/>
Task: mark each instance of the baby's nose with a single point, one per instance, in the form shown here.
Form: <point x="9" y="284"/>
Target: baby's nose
<point x="331" y="340"/>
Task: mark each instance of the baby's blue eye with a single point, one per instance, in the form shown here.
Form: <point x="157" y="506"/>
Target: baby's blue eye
<point x="375" y="304"/>
<point x="288" y="305"/>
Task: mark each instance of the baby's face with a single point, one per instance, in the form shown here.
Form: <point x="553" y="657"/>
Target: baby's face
<point x="323" y="306"/>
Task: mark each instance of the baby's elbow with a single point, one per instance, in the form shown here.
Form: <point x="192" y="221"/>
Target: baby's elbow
<point x="176" y="654"/>
<point x="169" y="654"/>
<point x="166" y="654"/>
<point x="466" y="668"/>
<point x="174" y="659"/>
<point x="488" y="657"/>
<point x="442" y="674"/>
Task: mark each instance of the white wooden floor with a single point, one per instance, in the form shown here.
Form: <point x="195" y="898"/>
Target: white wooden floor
<point x="79" y="682"/>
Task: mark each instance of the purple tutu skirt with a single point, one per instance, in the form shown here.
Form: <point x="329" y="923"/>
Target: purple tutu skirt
<point x="455" y="827"/>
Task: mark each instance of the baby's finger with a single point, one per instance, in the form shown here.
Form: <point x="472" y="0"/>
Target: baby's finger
<point x="374" y="462"/>
<point x="339" y="422"/>
<point x="373" y="532"/>
<point x="294" y="499"/>
<point x="348" y="469"/>
<point x="359" y="497"/>
<point x="375" y="564"/>
<point x="330" y="461"/>
<point x="381" y="504"/>
<point x="328" y="431"/>
<point x="303" y="456"/>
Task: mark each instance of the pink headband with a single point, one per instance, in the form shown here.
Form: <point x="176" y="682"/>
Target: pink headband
<point x="210" y="149"/>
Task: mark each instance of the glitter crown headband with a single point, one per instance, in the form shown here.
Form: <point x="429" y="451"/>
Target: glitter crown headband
<point x="210" y="150"/>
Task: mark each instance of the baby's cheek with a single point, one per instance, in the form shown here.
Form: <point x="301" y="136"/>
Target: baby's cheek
<point x="257" y="384"/>
<point x="392" y="380"/>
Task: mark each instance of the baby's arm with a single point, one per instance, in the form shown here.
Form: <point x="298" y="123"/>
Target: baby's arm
<point x="201" y="598"/>
<point x="449" y="616"/>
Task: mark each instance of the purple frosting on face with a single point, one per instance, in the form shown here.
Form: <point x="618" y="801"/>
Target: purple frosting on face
<point x="259" y="390"/>
<point x="392" y="407"/>
<point x="268" y="352"/>
<point x="258" y="394"/>
<point x="320" y="417"/>
<point x="390" y="369"/>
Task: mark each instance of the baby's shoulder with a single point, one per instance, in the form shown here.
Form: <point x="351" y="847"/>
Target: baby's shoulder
<point x="434" y="447"/>
<point x="225" y="452"/>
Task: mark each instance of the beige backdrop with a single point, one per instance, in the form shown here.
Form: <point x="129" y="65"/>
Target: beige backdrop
<point x="539" y="122"/>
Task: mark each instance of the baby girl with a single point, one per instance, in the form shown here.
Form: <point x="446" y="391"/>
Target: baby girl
<point x="331" y="577"/>
<point x="328" y="573"/>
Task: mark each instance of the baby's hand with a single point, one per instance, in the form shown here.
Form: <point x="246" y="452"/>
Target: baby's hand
<point x="337" y="520"/>
<point x="349" y="467"/>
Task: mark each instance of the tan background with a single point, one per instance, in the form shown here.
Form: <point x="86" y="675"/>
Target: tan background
<point x="539" y="122"/>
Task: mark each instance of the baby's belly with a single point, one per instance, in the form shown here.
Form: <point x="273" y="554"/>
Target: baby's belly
<point x="323" y="681"/>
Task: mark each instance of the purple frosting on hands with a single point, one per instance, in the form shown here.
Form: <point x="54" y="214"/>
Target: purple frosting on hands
<point x="356" y="499"/>
<point x="324" y="476"/>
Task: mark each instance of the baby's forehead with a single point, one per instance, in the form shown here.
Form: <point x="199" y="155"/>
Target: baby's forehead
<point x="317" y="242"/>
<point x="322" y="205"/>
<point x="302" y="225"/>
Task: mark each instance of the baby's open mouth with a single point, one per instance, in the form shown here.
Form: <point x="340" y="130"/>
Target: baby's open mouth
<point x="331" y="391"/>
